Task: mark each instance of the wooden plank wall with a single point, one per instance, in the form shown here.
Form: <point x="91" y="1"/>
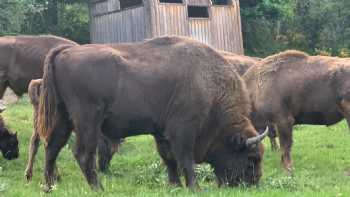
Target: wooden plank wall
<point x="200" y="30"/>
<point x="225" y="28"/>
<point x="168" y="19"/>
<point x="199" y="2"/>
<point x="128" y="25"/>
<point x="222" y="30"/>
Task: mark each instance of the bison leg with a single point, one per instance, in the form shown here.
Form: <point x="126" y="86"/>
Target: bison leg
<point x="3" y="86"/>
<point x="58" y="139"/>
<point x="164" y="151"/>
<point x="106" y="149"/>
<point x="182" y="146"/>
<point x="272" y="135"/>
<point x="33" y="148"/>
<point x="85" y="151"/>
<point x="285" y="129"/>
<point x="345" y="110"/>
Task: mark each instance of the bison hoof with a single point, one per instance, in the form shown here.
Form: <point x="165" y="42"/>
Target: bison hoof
<point x="28" y="175"/>
<point x="46" y="188"/>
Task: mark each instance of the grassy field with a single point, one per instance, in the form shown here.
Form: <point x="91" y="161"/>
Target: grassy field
<point x="321" y="157"/>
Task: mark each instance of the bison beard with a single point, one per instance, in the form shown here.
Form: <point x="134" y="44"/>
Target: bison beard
<point x="180" y="91"/>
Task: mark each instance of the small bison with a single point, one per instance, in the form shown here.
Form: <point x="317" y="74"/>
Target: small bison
<point x="8" y="142"/>
<point x="180" y="91"/>
<point x="293" y="88"/>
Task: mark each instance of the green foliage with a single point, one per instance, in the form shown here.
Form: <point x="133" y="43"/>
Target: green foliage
<point x="59" y="17"/>
<point x="269" y="26"/>
<point x="313" y="26"/>
<point x="11" y="23"/>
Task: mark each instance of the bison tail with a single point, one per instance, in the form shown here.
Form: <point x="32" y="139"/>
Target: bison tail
<point x="48" y="101"/>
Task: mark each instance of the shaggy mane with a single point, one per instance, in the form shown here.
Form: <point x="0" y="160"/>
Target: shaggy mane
<point x="275" y="62"/>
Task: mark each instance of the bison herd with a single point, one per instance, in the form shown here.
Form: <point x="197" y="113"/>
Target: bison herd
<point x="200" y="105"/>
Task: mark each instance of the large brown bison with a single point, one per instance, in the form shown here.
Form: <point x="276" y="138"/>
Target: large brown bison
<point x="106" y="149"/>
<point x="178" y="90"/>
<point x="293" y="88"/>
<point x="22" y="59"/>
<point x="8" y="142"/>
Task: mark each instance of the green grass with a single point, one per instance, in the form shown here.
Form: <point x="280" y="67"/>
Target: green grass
<point x="321" y="159"/>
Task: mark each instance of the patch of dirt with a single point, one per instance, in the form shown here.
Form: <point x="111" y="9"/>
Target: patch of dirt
<point x="347" y="172"/>
<point x="9" y="97"/>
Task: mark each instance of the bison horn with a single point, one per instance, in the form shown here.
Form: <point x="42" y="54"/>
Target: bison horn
<point x="257" y="139"/>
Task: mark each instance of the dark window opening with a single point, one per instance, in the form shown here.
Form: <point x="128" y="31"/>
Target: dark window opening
<point x="170" y="1"/>
<point x="197" y="12"/>
<point x="221" y="2"/>
<point x="129" y="3"/>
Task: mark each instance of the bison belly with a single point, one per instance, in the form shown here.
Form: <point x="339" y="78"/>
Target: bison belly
<point x="318" y="118"/>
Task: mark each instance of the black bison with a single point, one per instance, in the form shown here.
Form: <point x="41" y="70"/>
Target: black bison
<point x="178" y="90"/>
<point x="105" y="148"/>
<point x="22" y="59"/>
<point x="8" y="142"/>
<point x="293" y="88"/>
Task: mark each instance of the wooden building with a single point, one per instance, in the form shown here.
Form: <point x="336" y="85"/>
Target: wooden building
<point x="214" y="22"/>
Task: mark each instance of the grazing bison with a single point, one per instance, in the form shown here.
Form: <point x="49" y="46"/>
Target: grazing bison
<point x="178" y="90"/>
<point x="105" y="148"/>
<point x="8" y="142"/>
<point x="240" y="63"/>
<point x="22" y="59"/>
<point x="293" y="88"/>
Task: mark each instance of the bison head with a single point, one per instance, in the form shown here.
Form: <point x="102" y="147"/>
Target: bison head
<point x="8" y="144"/>
<point x="238" y="160"/>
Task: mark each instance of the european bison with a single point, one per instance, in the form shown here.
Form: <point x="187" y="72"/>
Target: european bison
<point x="293" y="88"/>
<point x="22" y="59"/>
<point x="8" y="142"/>
<point x="178" y="90"/>
<point x="105" y="148"/>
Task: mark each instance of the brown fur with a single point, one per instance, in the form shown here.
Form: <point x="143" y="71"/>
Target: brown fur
<point x="22" y="59"/>
<point x="106" y="149"/>
<point x="175" y="88"/>
<point x="293" y="88"/>
<point x="47" y="112"/>
<point x="240" y="63"/>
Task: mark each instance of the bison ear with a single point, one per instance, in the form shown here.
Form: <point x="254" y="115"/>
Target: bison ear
<point x="237" y="142"/>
